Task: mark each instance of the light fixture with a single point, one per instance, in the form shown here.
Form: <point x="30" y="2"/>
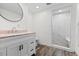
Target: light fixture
<point x="37" y="6"/>
<point x="59" y="10"/>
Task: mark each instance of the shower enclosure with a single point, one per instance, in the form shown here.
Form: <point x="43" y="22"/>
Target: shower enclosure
<point x="61" y="28"/>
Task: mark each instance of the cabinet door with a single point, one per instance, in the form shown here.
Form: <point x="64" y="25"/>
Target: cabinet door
<point x="3" y="52"/>
<point x="13" y="50"/>
<point x="24" y="48"/>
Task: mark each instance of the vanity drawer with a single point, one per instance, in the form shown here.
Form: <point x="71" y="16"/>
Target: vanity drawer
<point x="31" y="47"/>
<point x="31" y="51"/>
<point x="31" y="43"/>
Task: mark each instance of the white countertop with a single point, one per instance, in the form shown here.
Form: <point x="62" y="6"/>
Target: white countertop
<point x="15" y="34"/>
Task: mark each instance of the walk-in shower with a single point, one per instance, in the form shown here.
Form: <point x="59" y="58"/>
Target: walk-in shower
<point x="61" y="27"/>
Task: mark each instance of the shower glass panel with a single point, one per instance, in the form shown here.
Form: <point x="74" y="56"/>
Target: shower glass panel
<point x="61" y="28"/>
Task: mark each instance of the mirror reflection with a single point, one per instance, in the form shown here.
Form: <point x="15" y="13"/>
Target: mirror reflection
<point x="11" y="11"/>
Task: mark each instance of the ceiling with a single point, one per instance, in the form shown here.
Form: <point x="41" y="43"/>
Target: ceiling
<point x="42" y="6"/>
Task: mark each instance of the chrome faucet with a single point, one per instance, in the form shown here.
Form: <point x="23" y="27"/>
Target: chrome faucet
<point x="13" y="30"/>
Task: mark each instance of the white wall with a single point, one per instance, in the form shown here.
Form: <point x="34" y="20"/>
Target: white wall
<point x="42" y="26"/>
<point x="23" y="24"/>
<point x="77" y="30"/>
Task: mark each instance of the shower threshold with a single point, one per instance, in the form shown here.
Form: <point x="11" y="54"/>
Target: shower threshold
<point x="61" y="47"/>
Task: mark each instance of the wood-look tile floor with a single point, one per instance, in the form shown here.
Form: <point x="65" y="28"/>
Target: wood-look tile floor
<point x="43" y="50"/>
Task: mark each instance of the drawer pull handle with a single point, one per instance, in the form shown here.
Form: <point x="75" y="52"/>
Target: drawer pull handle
<point x="32" y="42"/>
<point x="31" y="50"/>
<point x="20" y="48"/>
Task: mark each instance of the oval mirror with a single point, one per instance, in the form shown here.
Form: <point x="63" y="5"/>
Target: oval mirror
<point x="11" y="11"/>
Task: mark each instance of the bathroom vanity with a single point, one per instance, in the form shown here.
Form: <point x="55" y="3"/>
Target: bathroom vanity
<point x="17" y="44"/>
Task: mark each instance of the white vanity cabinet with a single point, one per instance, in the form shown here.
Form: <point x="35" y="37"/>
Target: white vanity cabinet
<point x="23" y="45"/>
<point x="17" y="49"/>
<point x="3" y="52"/>
<point x="13" y="50"/>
